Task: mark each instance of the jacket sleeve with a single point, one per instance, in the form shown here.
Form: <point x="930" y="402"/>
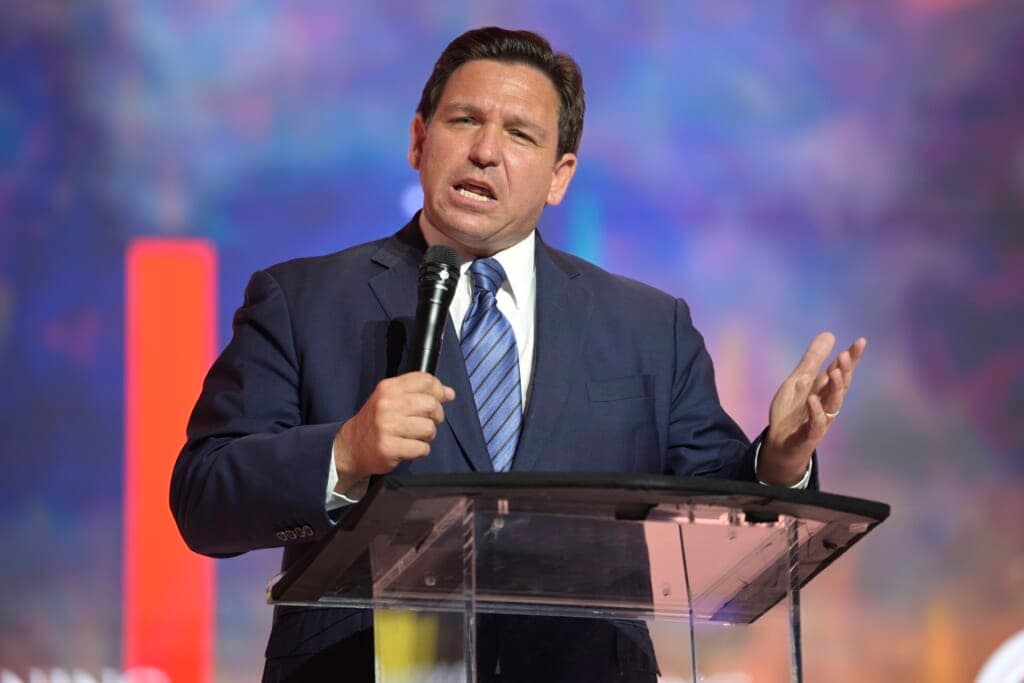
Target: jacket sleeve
<point x="251" y="474"/>
<point x="703" y="441"/>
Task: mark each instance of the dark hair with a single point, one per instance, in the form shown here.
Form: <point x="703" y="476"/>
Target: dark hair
<point x="522" y="47"/>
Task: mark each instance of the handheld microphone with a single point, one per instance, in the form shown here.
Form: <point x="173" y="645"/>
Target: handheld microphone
<point x="439" y="274"/>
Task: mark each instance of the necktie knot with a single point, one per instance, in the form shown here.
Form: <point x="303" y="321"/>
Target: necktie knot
<point x="486" y="275"/>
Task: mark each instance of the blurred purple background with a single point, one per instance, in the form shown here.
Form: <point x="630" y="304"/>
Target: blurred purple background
<point x="785" y="167"/>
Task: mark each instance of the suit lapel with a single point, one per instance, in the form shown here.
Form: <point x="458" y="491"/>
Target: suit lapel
<point x="395" y="290"/>
<point x="460" y="415"/>
<point x="394" y="286"/>
<point x="563" y="308"/>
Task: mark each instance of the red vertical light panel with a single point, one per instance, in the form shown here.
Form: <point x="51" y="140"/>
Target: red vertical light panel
<point x="170" y="339"/>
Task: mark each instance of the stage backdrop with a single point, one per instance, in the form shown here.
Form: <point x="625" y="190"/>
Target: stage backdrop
<point x="786" y="167"/>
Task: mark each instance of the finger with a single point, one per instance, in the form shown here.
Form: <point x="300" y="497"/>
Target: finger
<point x="817" y="420"/>
<point x="848" y="360"/>
<point x="438" y="390"/>
<point x="857" y="351"/>
<point x="401" y="448"/>
<point x="845" y="361"/>
<point x="417" y="381"/>
<point x="418" y="428"/>
<point x="437" y="414"/>
<point x="822" y="379"/>
<point x="424" y="382"/>
<point x="816" y="353"/>
<point x="820" y="382"/>
<point x="845" y="365"/>
<point x="420" y="405"/>
<point x="831" y="398"/>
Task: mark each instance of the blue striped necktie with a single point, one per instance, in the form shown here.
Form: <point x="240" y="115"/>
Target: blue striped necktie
<point x="492" y="361"/>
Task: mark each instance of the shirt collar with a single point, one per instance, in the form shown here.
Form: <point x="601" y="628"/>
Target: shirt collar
<point x="518" y="262"/>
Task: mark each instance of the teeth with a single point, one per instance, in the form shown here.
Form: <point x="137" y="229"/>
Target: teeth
<point x="472" y="195"/>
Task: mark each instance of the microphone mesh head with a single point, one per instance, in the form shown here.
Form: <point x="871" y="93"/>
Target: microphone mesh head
<point x="441" y="254"/>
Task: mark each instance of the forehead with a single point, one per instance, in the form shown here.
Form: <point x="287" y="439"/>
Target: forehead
<point x="488" y="83"/>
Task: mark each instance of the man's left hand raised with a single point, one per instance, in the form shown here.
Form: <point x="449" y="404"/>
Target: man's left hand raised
<point x="804" y="408"/>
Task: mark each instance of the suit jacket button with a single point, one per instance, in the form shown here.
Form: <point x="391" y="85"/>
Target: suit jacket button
<point x="290" y="534"/>
<point x="281" y="536"/>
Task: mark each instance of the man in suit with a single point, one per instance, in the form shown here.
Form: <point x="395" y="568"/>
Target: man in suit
<point x="596" y="372"/>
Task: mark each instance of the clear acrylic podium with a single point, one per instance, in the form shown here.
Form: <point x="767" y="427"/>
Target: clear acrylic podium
<point x="609" y="546"/>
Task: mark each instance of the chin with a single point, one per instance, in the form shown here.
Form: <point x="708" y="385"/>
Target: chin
<point x="466" y="231"/>
<point x="475" y="244"/>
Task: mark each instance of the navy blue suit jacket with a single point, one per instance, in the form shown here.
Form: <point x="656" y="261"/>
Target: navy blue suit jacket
<point x="622" y="383"/>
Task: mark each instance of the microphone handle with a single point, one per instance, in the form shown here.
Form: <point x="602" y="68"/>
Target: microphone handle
<point x="431" y="316"/>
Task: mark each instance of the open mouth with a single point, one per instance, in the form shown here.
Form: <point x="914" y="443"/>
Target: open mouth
<point x="470" y="190"/>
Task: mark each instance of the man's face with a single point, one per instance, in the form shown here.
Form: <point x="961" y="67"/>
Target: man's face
<point x="488" y="157"/>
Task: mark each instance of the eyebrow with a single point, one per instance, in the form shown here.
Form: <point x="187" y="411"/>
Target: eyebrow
<point x="513" y="122"/>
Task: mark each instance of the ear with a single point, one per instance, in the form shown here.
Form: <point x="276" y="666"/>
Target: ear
<point x="560" y="177"/>
<point x="417" y="134"/>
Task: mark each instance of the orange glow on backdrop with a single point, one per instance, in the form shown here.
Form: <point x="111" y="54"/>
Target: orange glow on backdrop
<point x="170" y="341"/>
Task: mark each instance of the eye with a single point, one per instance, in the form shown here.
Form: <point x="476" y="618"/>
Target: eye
<point x="520" y="135"/>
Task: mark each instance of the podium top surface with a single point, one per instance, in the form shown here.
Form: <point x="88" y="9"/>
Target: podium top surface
<point x="611" y="488"/>
<point x="576" y="544"/>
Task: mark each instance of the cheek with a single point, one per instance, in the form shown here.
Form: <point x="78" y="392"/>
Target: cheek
<point x="530" y="180"/>
<point x="431" y="177"/>
<point x="441" y="163"/>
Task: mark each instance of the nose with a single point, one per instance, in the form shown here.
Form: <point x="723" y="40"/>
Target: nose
<point x="486" y="148"/>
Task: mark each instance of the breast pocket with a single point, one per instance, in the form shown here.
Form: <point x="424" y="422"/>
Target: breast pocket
<point x="621" y="434"/>
<point x="621" y="388"/>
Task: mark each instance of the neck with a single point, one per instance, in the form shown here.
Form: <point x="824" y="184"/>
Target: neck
<point x="433" y="236"/>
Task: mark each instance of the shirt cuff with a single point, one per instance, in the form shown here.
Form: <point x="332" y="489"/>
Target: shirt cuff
<point x="802" y="484"/>
<point x="353" y="495"/>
